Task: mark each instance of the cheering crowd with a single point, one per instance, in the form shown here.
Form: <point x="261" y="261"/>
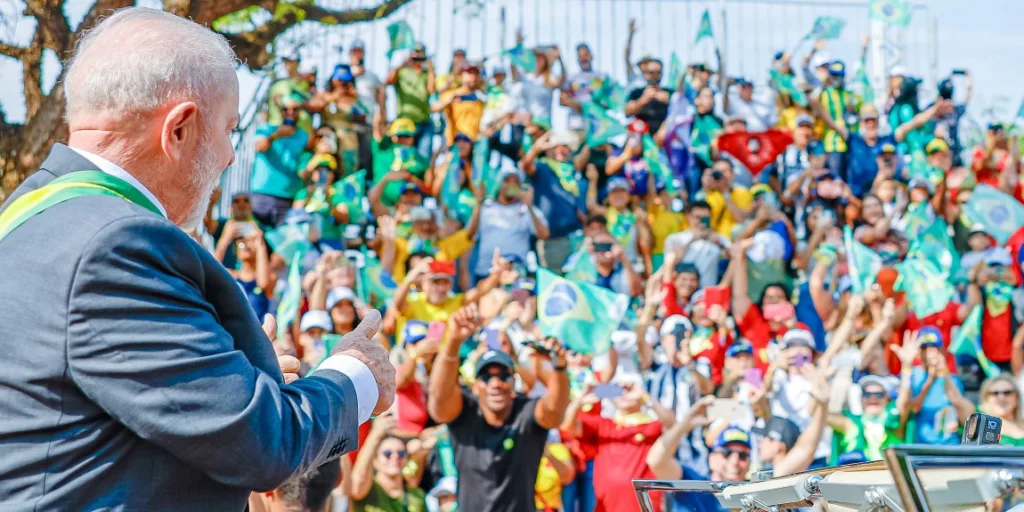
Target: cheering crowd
<point x="808" y="274"/>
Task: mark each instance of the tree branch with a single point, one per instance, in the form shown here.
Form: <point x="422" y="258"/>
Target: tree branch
<point x="15" y="52"/>
<point x="252" y="47"/>
<point x="207" y="11"/>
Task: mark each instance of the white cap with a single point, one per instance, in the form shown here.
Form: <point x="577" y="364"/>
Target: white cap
<point x="768" y="245"/>
<point x="820" y="59"/>
<point x="671" y="322"/>
<point x="316" y="319"/>
<point x="339" y="294"/>
<point x="306" y="68"/>
<point x="445" y="485"/>
<point x="898" y="70"/>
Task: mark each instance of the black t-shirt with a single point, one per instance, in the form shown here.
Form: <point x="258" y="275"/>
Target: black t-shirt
<point x="654" y="112"/>
<point x="497" y="465"/>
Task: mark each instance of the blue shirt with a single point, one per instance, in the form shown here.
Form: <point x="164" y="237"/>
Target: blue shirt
<point x="937" y="421"/>
<point x="557" y="204"/>
<point x="275" y="172"/>
<point x="695" y="501"/>
<point x="807" y="314"/>
<point x="257" y="297"/>
<point x="862" y="163"/>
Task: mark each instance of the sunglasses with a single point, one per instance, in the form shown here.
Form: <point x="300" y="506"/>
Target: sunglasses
<point x="388" y="453"/>
<point x="240" y="201"/>
<point x="289" y="109"/>
<point x="741" y="455"/>
<point x="871" y="119"/>
<point x="1002" y="392"/>
<point x="504" y="376"/>
<point x="877" y="395"/>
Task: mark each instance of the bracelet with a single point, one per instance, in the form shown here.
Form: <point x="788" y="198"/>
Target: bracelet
<point x="560" y="368"/>
<point x="450" y="359"/>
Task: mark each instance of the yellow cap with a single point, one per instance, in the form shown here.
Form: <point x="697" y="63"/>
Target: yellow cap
<point x="935" y="146"/>
<point x="402" y="126"/>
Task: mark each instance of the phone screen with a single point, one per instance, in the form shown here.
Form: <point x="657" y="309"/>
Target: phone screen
<point x="602" y="247"/>
<point x="491" y="337"/>
<point x="728" y="409"/>
<point x="608" y="390"/>
<point x="706" y="222"/>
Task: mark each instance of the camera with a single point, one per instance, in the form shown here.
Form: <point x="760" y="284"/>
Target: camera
<point x="717" y="175"/>
<point x="982" y="429"/>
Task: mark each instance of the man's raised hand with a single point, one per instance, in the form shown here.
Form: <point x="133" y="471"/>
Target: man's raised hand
<point x="360" y="344"/>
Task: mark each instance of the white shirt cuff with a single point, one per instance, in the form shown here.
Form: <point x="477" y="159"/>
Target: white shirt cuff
<point x="362" y="379"/>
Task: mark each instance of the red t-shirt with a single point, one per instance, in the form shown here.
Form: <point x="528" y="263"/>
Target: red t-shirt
<point x="589" y="446"/>
<point x="712" y="350"/>
<point x="621" y="458"/>
<point x="997" y="335"/>
<point x="671" y="301"/>
<point x="988" y="175"/>
<point x="411" y="408"/>
<point x="755" y="328"/>
<point x="944" y="321"/>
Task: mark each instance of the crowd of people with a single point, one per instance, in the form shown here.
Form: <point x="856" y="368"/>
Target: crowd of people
<point x="812" y="275"/>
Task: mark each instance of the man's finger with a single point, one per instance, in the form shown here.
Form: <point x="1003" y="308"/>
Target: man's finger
<point x="290" y="377"/>
<point x="288" y="364"/>
<point x="270" y="326"/>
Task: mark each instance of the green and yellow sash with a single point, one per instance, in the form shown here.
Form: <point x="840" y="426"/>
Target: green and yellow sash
<point x="65" y="188"/>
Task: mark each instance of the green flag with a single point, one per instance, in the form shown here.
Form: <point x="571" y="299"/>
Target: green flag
<point x="704" y="30"/>
<point x="936" y="246"/>
<point x="926" y="288"/>
<point x="786" y="84"/>
<point x="375" y="285"/>
<point x="1020" y="112"/>
<point x="400" y="35"/>
<point x="600" y="125"/>
<point x="288" y="308"/>
<point x="580" y="267"/>
<point x="657" y="162"/>
<point x="452" y="185"/>
<point x="611" y="95"/>
<point x="760" y="274"/>
<point x="582" y="316"/>
<point x="891" y="12"/>
<point x="864" y="264"/>
<point x="484" y="174"/>
<point x="967" y="341"/>
<point x="350" y="191"/>
<point x="291" y="241"/>
<point x="522" y="58"/>
<point x="675" y="70"/>
<point x="999" y="212"/>
<point x="826" y="27"/>
<point x="861" y="78"/>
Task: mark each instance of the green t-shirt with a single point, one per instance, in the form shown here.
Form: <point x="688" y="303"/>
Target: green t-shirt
<point x="378" y="501"/>
<point x="871" y="435"/>
<point x="413" y="99"/>
<point x="275" y="172"/>
<point x="321" y="211"/>
<point x="387" y="157"/>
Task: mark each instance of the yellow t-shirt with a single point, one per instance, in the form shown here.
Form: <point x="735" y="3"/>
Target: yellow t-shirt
<point x="464" y="115"/>
<point x="417" y="307"/>
<point x="449" y="248"/>
<point x="722" y="220"/>
<point x="664" y="222"/>
<point x="548" y="489"/>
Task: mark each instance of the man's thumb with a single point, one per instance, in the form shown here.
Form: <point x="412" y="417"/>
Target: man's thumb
<point x="369" y="326"/>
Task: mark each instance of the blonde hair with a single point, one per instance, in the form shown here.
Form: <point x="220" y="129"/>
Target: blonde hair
<point x="989" y="383"/>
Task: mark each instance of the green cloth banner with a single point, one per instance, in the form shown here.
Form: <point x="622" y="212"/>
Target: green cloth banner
<point x="582" y="316"/>
<point x="400" y="37"/>
<point x="967" y="341"/>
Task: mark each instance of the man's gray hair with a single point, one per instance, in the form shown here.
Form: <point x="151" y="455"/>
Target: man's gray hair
<point x="139" y="59"/>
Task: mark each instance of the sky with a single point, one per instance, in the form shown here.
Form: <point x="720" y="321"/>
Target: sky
<point x="983" y="36"/>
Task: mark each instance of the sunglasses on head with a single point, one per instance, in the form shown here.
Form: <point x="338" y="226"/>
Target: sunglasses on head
<point x="878" y="395"/>
<point x="1002" y="392"/>
<point x="740" y="454"/>
<point x="388" y="453"/>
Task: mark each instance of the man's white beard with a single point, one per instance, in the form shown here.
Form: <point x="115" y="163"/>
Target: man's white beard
<point x="205" y="178"/>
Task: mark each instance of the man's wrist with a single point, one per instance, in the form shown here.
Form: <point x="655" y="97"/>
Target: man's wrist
<point x="362" y="379"/>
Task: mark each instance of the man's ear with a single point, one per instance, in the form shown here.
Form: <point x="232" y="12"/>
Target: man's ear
<point x="180" y="129"/>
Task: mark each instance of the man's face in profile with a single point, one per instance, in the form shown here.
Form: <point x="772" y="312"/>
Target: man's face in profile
<point x="584" y="57"/>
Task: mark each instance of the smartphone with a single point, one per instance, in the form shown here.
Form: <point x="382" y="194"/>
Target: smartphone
<point x="729" y="409"/>
<point x="779" y="312"/>
<point x="491" y="337"/>
<point x="608" y="390"/>
<point x="706" y="222"/>
<point x="958" y="72"/>
<point x="541" y="349"/>
<point x="430" y="203"/>
<point x="321" y="177"/>
<point x="679" y="331"/>
<point x="603" y="247"/>
<point x="288" y="121"/>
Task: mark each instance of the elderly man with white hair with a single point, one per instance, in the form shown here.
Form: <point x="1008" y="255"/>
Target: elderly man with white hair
<point x="135" y="375"/>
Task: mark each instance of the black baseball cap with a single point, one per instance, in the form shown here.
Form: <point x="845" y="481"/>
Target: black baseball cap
<point x="494" y="357"/>
<point x="779" y="429"/>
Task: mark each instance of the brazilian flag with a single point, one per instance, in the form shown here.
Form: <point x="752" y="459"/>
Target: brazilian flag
<point x="522" y="58"/>
<point x="967" y="341"/>
<point x="891" y="12"/>
<point x="826" y="27"/>
<point x="350" y="191"/>
<point x="785" y="84"/>
<point x="375" y="286"/>
<point x="600" y="125"/>
<point x="288" y="308"/>
<point x="400" y="37"/>
<point x="291" y="241"/>
<point x="657" y="162"/>
<point x="611" y="95"/>
<point x="864" y="263"/>
<point x="582" y="316"/>
<point x="675" y="71"/>
<point x="999" y="212"/>
<point x="926" y="287"/>
<point x="936" y="246"/>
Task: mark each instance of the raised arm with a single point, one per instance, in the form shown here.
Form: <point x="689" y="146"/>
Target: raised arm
<point x="740" y="300"/>
<point x="550" y="408"/>
<point x="362" y="471"/>
<point x="661" y="458"/>
<point x="444" y="402"/>
<point x="800" y="457"/>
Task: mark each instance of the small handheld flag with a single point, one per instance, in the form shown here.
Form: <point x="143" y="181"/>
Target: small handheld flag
<point x="826" y="27"/>
<point x="891" y="12"/>
<point x="400" y="36"/>
<point x="704" y="30"/>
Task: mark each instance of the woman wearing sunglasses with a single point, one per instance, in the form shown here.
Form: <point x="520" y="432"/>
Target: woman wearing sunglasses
<point x="377" y="482"/>
<point x="1000" y="397"/>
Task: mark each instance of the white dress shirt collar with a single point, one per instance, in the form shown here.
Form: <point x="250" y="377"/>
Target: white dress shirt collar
<point x="113" y="169"/>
